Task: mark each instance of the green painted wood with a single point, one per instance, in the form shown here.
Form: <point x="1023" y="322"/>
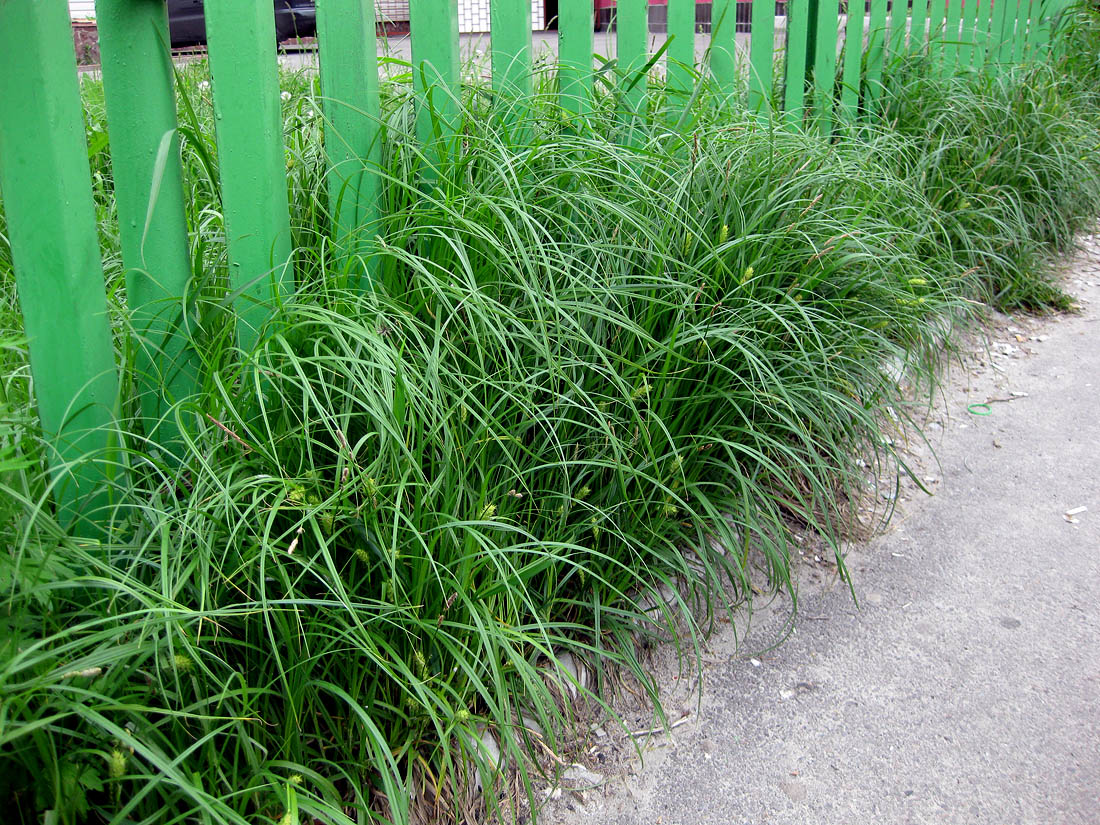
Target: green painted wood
<point x="148" y="186"/>
<point x="681" y="49"/>
<point x="1019" y="30"/>
<point x="828" y="22"/>
<point x="899" y="23"/>
<point x="631" y="44"/>
<point x="762" y="56"/>
<point x="353" y="146"/>
<point x="51" y="227"/>
<point x="436" y="77"/>
<point x="876" y="48"/>
<point x="918" y="34"/>
<point x="794" y="93"/>
<point x="937" y="10"/>
<point x="969" y="37"/>
<point x="723" y="46"/>
<point x="1002" y="14"/>
<point x="251" y="158"/>
<point x="511" y="45"/>
<point x="575" y="24"/>
<point x="853" y="65"/>
<point x="981" y="34"/>
<point x="951" y="41"/>
<point x="1037" y="29"/>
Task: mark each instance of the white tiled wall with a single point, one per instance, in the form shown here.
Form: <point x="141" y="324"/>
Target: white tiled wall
<point x="81" y="9"/>
<point x="473" y="15"/>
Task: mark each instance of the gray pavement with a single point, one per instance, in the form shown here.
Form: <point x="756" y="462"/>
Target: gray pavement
<point x="966" y="688"/>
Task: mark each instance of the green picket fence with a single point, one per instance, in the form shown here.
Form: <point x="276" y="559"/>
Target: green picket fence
<point x="44" y="172"/>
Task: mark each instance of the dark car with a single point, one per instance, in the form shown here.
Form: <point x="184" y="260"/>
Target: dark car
<point x="293" y="18"/>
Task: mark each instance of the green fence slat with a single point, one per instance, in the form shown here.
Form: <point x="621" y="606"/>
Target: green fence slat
<point x="51" y="224"/>
<point x="248" y="126"/>
<point x="723" y="47"/>
<point x="511" y="46"/>
<point x="918" y="36"/>
<point x="828" y="22"/>
<point x="436" y="78"/>
<point x="876" y="47"/>
<point x="575" y="55"/>
<point x="951" y="36"/>
<point x="631" y="45"/>
<point x="969" y="36"/>
<point x="148" y="187"/>
<point x="681" y="49"/>
<point x="981" y="34"/>
<point x="794" y="93"/>
<point x="1019" y="30"/>
<point x="762" y="56"/>
<point x="937" y="10"/>
<point x="899" y="21"/>
<point x="1036" y="37"/>
<point x="347" y="42"/>
<point x="998" y="37"/>
<point x="853" y="64"/>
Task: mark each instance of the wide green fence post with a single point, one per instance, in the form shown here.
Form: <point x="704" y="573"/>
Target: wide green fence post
<point x="681" y="49"/>
<point x="46" y="185"/>
<point x="762" y="56"/>
<point x="631" y="45"/>
<point x="876" y="53"/>
<point x="353" y="145"/>
<point x="853" y="63"/>
<point x="148" y="187"/>
<point x="436" y="77"/>
<point x="723" y="47"/>
<point x="511" y="45"/>
<point x="1037" y="36"/>
<point x="575" y="25"/>
<point x="918" y="25"/>
<point x="951" y="36"/>
<point x="248" y="126"/>
<point x="828" y="22"/>
<point x="794" y="93"/>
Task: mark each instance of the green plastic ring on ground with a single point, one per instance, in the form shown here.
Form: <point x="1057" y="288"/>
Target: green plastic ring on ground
<point x="979" y="409"/>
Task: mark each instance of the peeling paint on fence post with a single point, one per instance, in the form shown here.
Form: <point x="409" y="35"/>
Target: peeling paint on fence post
<point x="436" y="77"/>
<point x="575" y="23"/>
<point x="681" y="51"/>
<point x="510" y="41"/>
<point x="762" y="57"/>
<point x="46" y="186"/>
<point x="353" y="144"/>
<point x="248" y="125"/>
<point x="145" y="159"/>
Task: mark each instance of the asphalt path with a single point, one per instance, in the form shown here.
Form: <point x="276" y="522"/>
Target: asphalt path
<point x="966" y="686"/>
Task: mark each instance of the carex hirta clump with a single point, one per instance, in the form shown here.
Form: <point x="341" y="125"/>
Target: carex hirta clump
<point x="603" y="368"/>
